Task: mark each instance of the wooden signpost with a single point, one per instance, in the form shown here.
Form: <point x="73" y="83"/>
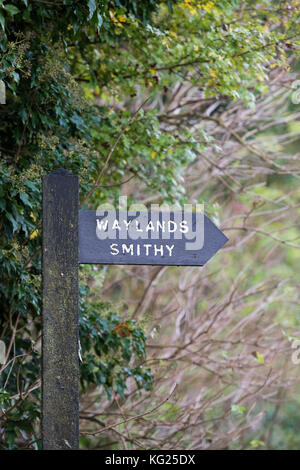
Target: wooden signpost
<point x="60" y="368"/>
<point x="71" y="237"/>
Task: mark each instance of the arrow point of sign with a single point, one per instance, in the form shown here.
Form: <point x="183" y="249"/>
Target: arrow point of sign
<point x="215" y="239"/>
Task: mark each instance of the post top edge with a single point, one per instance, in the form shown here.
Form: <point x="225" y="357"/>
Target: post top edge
<point x="60" y="172"/>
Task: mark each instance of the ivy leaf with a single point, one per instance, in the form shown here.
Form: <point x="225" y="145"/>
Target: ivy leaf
<point x="13" y="222"/>
<point x="16" y="77"/>
<point x="2" y="21"/>
<point x="92" y="8"/>
<point x="12" y="9"/>
<point x="99" y="21"/>
<point x="25" y="199"/>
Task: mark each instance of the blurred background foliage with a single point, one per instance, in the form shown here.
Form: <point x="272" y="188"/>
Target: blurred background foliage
<point x="171" y="101"/>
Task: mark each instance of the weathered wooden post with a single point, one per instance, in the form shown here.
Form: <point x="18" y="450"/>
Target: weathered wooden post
<point x="60" y="368"/>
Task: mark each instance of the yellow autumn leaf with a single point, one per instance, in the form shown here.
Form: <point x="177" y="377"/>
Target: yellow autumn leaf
<point x="209" y="6"/>
<point x="33" y="234"/>
<point x="122" y="18"/>
<point x="33" y="216"/>
<point x="259" y="357"/>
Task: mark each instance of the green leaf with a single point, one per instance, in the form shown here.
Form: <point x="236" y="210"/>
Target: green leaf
<point x="13" y="222"/>
<point x="24" y="198"/>
<point x="99" y="21"/>
<point x="16" y="77"/>
<point x="238" y="409"/>
<point x="12" y="9"/>
<point x="92" y="8"/>
<point x="2" y="21"/>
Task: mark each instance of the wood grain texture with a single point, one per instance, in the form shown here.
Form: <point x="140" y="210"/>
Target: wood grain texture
<point x="94" y="250"/>
<point x="60" y="368"/>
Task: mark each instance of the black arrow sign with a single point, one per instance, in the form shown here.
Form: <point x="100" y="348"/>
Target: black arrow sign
<point x="154" y="238"/>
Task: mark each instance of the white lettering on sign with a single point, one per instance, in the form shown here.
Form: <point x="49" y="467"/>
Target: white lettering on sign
<point x="170" y="226"/>
<point x="141" y="248"/>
